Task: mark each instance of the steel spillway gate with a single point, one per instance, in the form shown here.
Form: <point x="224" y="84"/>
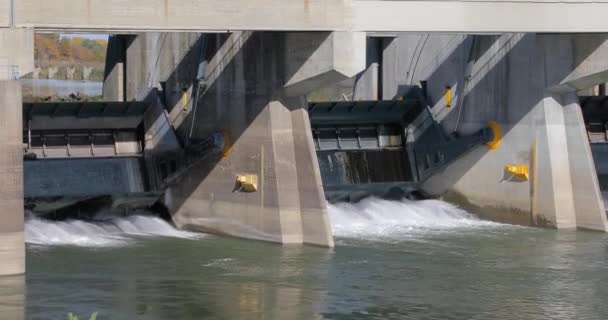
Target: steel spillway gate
<point x="382" y="148"/>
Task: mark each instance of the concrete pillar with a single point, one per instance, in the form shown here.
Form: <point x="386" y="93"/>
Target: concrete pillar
<point x="12" y="246"/>
<point x="256" y="84"/>
<point x="114" y="74"/>
<point x="527" y="83"/>
<point x="552" y="192"/>
<point x="288" y="207"/>
<point x="16" y="52"/>
<point x="368" y="82"/>
<point x="589" y="206"/>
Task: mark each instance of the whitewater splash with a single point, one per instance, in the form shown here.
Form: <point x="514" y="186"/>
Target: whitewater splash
<point x="374" y="217"/>
<point x="108" y="231"/>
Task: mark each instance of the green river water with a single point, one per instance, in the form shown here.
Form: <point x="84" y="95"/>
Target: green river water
<point x="392" y="260"/>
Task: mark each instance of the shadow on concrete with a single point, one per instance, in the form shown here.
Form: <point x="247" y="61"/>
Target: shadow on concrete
<point x="490" y="97"/>
<point x="249" y="82"/>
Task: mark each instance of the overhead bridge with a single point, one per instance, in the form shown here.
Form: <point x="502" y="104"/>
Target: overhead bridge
<point x="297" y="15"/>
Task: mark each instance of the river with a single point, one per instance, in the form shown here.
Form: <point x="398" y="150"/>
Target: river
<point x="61" y="88"/>
<point x="392" y="260"/>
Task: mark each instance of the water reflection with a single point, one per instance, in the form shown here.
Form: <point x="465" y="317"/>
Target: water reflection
<point x="214" y="278"/>
<point x="12" y="297"/>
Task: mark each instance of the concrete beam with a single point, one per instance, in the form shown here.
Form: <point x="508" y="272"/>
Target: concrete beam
<point x="480" y="16"/>
<point x="310" y="15"/>
<point x="182" y="15"/>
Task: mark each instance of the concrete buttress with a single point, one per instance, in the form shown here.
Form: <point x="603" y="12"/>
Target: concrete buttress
<point x="255" y="84"/>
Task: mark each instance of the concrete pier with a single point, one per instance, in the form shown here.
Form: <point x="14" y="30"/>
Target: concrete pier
<point x="527" y="83"/>
<point x="252" y="90"/>
<point x="12" y="246"/>
<point x="114" y="74"/>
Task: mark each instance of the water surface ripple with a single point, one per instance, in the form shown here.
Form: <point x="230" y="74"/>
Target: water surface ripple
<point x="393" y="260"/>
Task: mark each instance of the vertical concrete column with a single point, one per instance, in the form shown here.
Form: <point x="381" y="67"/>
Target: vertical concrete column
<point x="12" y="246"/>
<point x="114" y="75"/>
<point x="283" y="155"/>
<point x="554" y="189"/>
<point x="588" y="201"/>
<point x="367" y="83"/>
<point x="316" y="228"/>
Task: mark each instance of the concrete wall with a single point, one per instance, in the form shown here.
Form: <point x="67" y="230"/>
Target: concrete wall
<point x="513" y="79"/>
<point x="17" y="54"/>
<point x="64" y="177"/>
<point x="12" y="245"/>
<point x="254" y="87"/>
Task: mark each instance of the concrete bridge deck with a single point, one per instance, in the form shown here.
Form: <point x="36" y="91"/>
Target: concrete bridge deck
<point x="306" y="15"/>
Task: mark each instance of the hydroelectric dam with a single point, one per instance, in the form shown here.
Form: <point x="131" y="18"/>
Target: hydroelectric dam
<point x="250" y="123"/>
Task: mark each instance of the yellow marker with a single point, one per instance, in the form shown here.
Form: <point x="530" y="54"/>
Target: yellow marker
<point x="497" y="132"/>
<point x="185" y="100"/>
<point x="520" y="171"/>
<point x="448" y="96"/>
<point x="227" y="151"/>
<point x="534" y="186"/>
<point x="248" y="182"/>
<point x="262" y="176"/>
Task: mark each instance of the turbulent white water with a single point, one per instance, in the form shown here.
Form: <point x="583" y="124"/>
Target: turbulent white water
<point x="109" y="231"/>
<point x="371" y="218"/>
<point x="374" y="217"/>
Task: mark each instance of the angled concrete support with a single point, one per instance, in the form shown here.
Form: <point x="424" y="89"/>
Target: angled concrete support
<point x="527" y="84"/>
<point x="254" y="94"/>
<point x="12" y="246"/>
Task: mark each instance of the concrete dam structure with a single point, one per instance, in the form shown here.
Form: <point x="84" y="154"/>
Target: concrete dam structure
<point x="250" y="133"/>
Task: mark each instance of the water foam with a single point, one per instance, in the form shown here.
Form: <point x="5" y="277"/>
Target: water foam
<point x="105" y="231"/>
<point x="374" y="217"/>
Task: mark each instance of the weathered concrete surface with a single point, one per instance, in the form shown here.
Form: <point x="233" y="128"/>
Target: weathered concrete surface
<point x="311" y="15"/>
<point x="513" y="80"/>
<point x="478" y="16"/>
<point x="582" y="170"/>
<point x="253" y="90"/>
<point x="17" y="54"/>
<point x="183" y="15"/>
<point x="114" y="74"/>
<point x="12" y="245"/>
<point x="5" y="13"/>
